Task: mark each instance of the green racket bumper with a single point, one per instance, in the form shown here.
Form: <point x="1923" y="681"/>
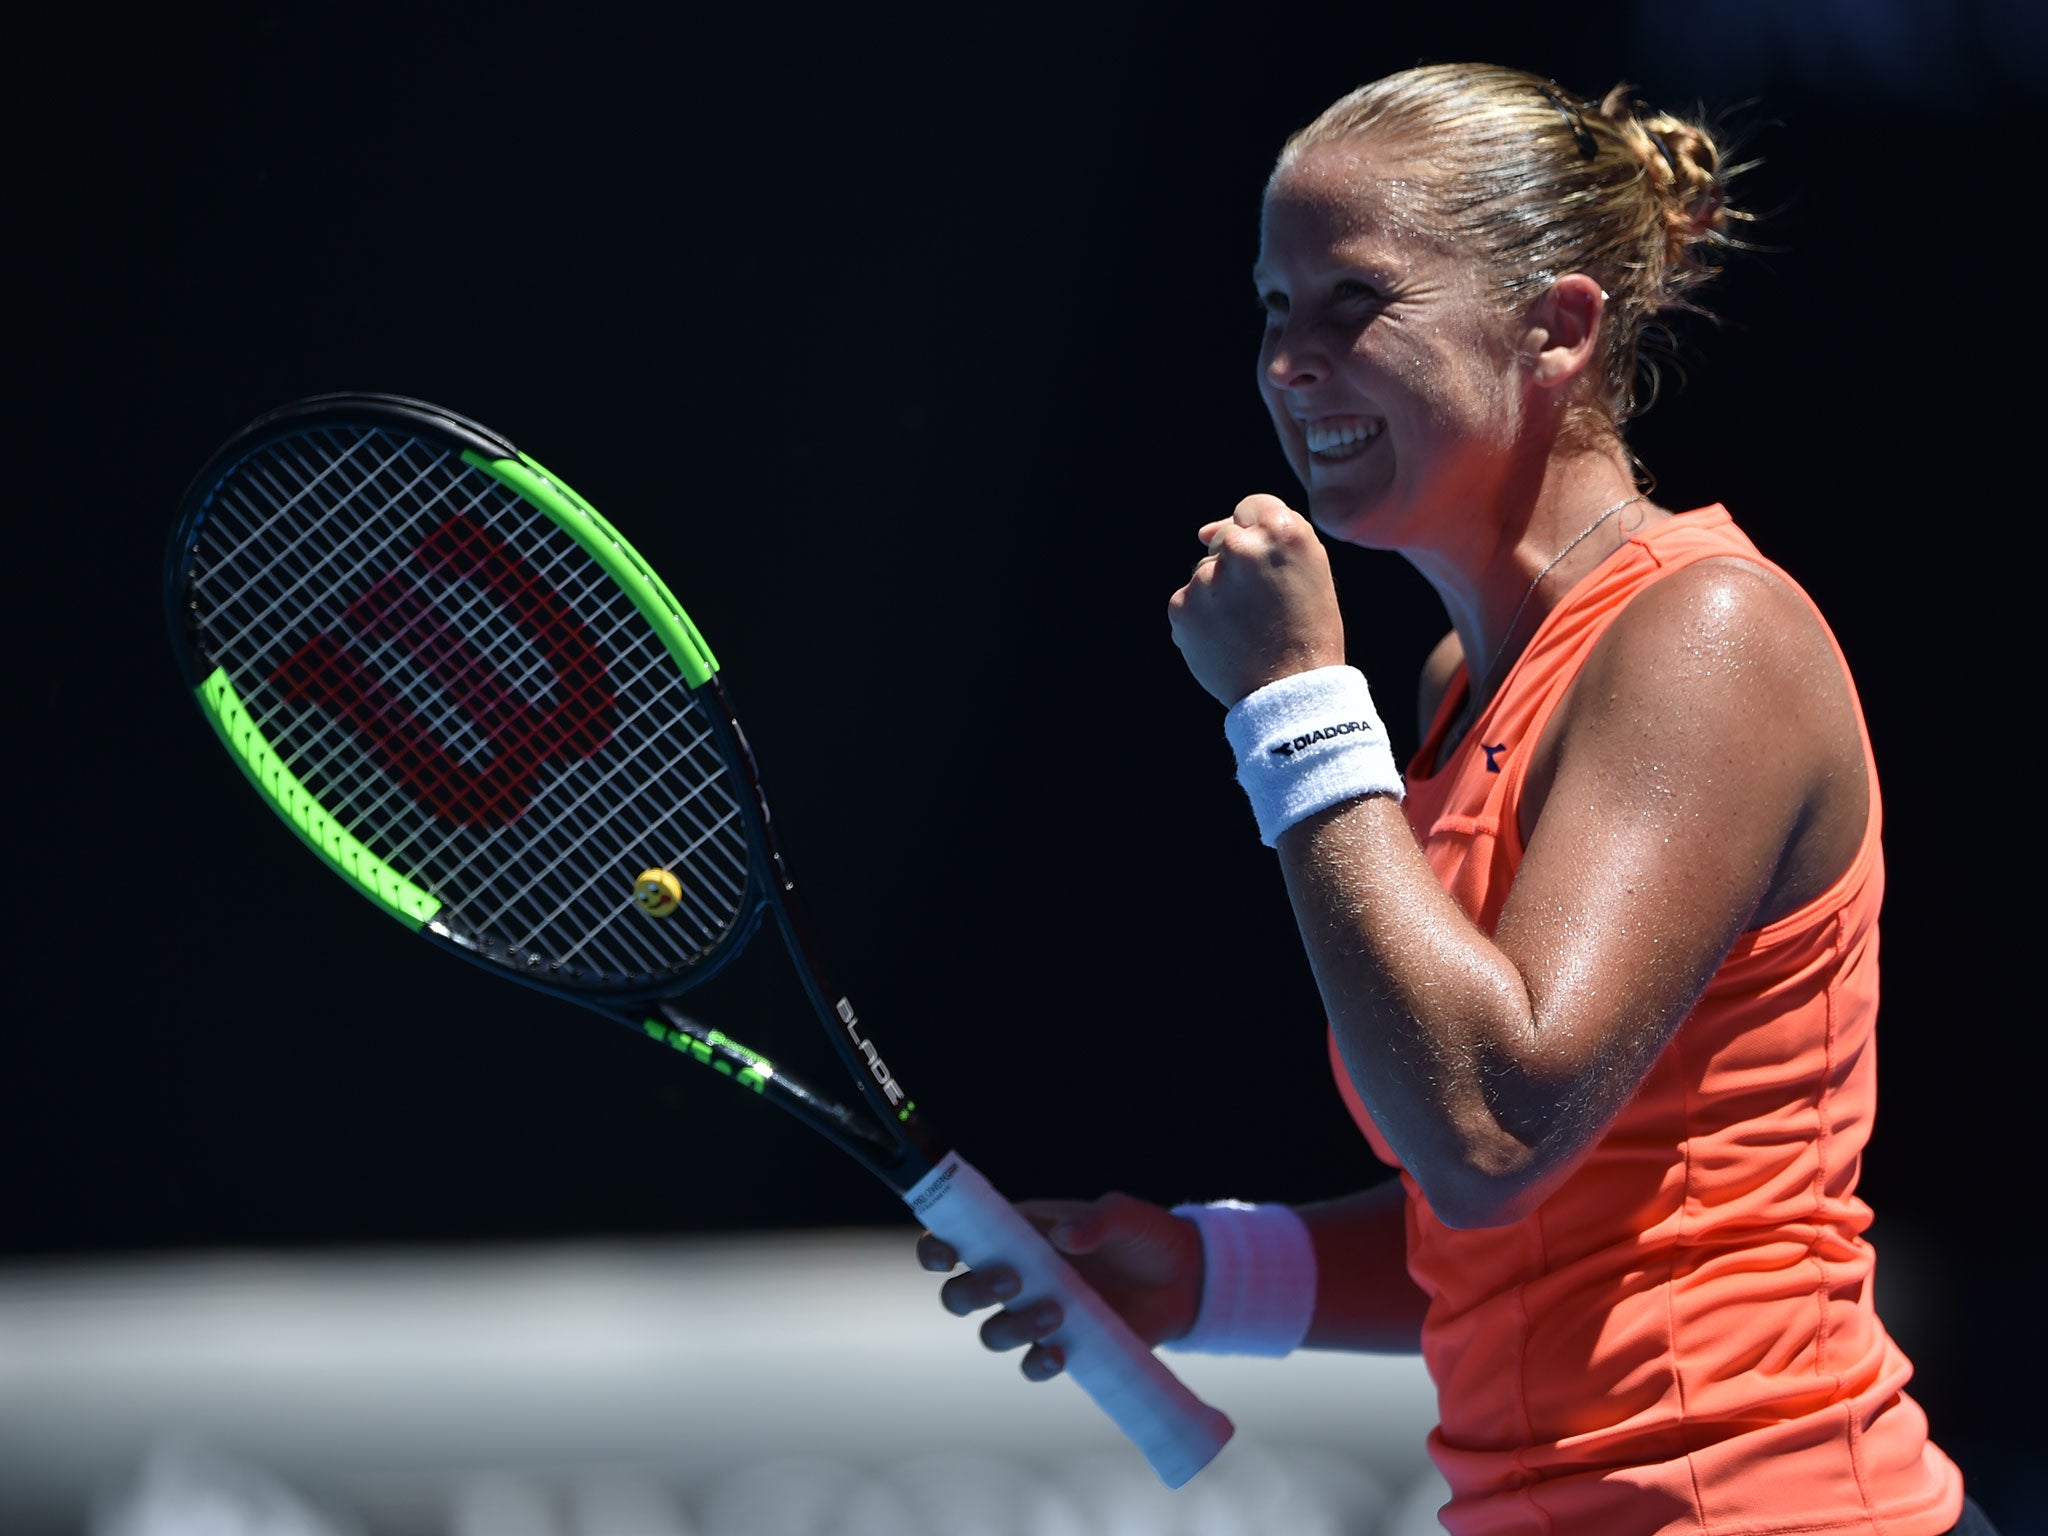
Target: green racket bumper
<point x="600" y="540"/>
<point x="348" y="856"/>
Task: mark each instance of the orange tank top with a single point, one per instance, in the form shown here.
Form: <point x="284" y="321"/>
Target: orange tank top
<point x="1682" y="1337"/>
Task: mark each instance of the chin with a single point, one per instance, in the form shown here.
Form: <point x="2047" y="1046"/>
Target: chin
<point x="1346" y="514"/>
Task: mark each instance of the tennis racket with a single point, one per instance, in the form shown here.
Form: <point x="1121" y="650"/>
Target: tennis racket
<point x="474" y="701"/>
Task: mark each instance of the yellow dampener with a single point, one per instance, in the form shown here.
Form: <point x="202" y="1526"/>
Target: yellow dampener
<point x="658" y="892"/>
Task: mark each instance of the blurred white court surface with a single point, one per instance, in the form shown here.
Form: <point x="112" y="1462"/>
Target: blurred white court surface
<point x="729" y="1387"/>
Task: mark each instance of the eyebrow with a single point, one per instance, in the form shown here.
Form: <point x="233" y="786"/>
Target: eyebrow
<point x="1379" y="265"/>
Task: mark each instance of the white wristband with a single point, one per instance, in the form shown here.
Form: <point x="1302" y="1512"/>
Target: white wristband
<point x="1258" y="1280"/>
<point x="1307" y="742"/>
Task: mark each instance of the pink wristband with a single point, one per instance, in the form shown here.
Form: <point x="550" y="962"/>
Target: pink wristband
<point x="1258" y="1280"/>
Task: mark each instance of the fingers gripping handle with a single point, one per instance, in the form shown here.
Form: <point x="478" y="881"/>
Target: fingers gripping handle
<point x="1177" y="1431"/>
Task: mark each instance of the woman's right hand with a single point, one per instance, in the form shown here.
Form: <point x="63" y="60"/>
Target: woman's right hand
<point x="1143" y="1260"/>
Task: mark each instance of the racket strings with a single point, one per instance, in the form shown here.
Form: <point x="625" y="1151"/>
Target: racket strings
<point x="450" y="675"/>
<point x="727" y="878"/>
<point x="458" y="728"/>
<point x="304" y="511"/>
<point x="615" y="961"/>
<point x="401" y="612"/>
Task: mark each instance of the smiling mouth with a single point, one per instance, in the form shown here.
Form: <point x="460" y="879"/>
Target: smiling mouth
<point x="1334" y="441"/>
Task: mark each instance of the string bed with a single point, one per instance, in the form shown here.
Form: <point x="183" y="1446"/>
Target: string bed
<point x="461" y="686"/>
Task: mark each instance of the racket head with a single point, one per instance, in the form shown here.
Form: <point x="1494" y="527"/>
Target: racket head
<point x="464" y="691"/>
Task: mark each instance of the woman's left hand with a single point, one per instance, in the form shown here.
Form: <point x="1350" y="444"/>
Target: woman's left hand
<point x="1146" y="1262"/>
<point x="1260" y="605"/>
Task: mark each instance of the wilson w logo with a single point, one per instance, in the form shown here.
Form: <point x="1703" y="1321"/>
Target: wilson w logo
<point x="520" y="737"/>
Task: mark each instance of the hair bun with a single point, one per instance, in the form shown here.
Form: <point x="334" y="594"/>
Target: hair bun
<point x="1682" y="172"/>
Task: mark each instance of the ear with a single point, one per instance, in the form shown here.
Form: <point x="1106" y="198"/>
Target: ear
<point x="1561" y="329"/>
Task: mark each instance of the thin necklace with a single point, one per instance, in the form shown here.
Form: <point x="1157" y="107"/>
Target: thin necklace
<point x="1471" y="683"/>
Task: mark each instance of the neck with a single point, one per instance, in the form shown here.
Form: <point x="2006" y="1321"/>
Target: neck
<point x="1499" y="582"/>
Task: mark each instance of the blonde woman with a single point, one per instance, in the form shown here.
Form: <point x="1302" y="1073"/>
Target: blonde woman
<point x="1601" y="970"/>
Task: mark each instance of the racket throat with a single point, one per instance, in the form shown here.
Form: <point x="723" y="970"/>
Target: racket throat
<point x="895" y="1163"/>
<point x="864" y="1051"/>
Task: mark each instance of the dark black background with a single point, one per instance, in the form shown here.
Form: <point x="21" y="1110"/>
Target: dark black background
<point x="912" y="348"/>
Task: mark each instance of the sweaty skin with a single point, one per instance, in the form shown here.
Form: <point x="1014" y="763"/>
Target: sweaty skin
<point x="1703" y="776"/>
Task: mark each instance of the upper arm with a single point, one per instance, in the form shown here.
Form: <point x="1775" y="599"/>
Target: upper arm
<point x="1708" y="746"/>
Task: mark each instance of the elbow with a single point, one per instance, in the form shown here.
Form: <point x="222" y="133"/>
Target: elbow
<point x="1465" y="1206"/>
<point x="1499" y="1156"/>
<point x="1491" y="1185"/>
<point x="1488" y="1146"/>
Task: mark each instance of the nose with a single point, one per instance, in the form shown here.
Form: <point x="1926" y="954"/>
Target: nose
<point x="1288" y="360"/>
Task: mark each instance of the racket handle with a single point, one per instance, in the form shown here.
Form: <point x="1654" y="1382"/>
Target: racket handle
<point x="1177" y="1431"/>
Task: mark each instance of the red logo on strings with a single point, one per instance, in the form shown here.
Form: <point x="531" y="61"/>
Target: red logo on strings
<point x="521" y="736"/>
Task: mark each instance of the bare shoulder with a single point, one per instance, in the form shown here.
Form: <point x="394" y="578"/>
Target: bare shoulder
<point x="1437" y="671"/>
<point x="1718" y="689"/>
<point x="1724" y="620"/>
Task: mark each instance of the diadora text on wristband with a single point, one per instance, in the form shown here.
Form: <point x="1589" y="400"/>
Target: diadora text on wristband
<point x="1307" y="742"/>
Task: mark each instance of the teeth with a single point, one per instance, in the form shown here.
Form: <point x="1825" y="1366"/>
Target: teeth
<point x="1339" y="439"/>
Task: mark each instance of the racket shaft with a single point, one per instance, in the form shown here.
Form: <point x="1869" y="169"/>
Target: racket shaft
<point x="1178" y="1432"/>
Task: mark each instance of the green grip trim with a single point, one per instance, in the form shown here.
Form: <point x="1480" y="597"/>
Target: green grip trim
<point x="583" y="523"/>
<point x="350" y="858"/>
<point x="751" y="1057"/>
<point x="753" y="1074"/>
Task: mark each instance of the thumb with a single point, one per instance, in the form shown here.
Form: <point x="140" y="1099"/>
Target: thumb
<point x="1114" y="1225"/>
<point x="1081" y="1235"/>
<point x="1259" y="508"/>
<point x="1072" y="1226"/>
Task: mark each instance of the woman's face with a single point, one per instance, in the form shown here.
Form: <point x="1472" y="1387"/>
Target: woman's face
<point x="1391" y="377"/>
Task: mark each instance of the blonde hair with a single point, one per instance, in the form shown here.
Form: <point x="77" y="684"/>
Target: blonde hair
<point x="1535" y="183"/>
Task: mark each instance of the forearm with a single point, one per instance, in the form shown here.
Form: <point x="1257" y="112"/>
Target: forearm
<point x="1434" y="1024"/>
<point x="1365" y="1297"/>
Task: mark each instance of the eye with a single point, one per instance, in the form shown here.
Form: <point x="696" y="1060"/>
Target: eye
<point x="1351" y="290"/>
<point x="1272" y="303"/>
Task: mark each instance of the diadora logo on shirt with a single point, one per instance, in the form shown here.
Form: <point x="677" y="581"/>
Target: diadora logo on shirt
<point x="1492" y="755"/>
<point x="1320" y="733"/>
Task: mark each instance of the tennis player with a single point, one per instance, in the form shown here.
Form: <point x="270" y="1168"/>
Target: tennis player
<point x="1601" y="974"/>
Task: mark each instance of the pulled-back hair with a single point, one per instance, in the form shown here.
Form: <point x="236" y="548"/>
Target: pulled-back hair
<point x="1535" y="182"/>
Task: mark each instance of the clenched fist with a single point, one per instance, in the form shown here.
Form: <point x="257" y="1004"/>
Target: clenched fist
<point x="1260" y="605"/>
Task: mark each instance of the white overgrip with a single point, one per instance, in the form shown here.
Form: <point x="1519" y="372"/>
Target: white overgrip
<point x="1178" y="1432"/>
